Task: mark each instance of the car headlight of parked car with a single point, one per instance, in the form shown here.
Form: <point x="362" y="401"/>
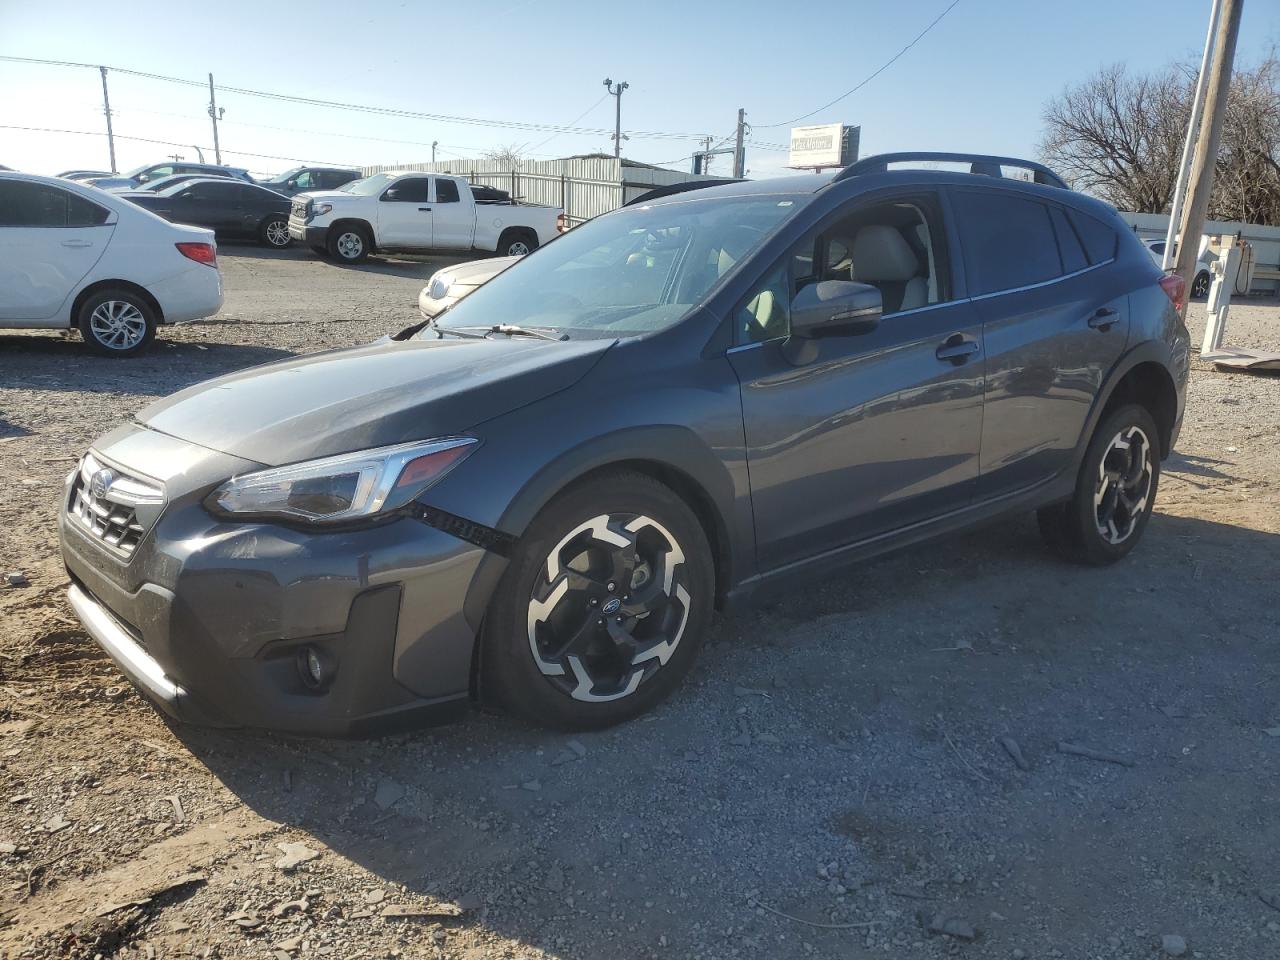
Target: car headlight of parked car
<point x="320" y="209"/>
<point x="348" y="487"/>
<point x="439" y="285"/>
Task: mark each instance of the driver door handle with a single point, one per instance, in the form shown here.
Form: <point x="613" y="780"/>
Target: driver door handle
<point x="424" y="209"/>
<point x="957" y="349"/>
<point x="77" y="243"/>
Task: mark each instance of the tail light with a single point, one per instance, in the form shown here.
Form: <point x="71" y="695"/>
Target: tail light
<point x="204" y="253"/>
<point x="1175" y="289"/>
<point x="562" y="223"/>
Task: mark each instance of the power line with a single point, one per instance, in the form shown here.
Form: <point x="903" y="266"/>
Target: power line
<point x="886" y="66"/>
<point x="372" y="109"/>
<point x="166" y="143"/>
<point x="571" y="122"/>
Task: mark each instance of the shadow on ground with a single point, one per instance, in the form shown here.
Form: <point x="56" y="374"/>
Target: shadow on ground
<point x="857" y="719"/>
<point x="40" y="362"/>
<point x="391" y="264"/>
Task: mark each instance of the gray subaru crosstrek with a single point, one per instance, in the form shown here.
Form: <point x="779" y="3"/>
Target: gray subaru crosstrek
<point x="538" y="499"/>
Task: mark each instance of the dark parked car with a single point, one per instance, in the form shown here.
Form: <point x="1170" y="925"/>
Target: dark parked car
<point x="304" y="179"/>
<point x="233" y="210"/>
<point x="164" y="183"/>
<point x="539" y="498"/>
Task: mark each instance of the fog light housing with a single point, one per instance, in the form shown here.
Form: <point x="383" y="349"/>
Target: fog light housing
<point x="315" y="668"/>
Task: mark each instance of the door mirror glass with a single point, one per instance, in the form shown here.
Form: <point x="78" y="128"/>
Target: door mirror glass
<point x="835" y="308"/>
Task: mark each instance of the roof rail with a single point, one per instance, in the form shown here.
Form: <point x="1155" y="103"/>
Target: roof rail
<point x="979" y="163"/>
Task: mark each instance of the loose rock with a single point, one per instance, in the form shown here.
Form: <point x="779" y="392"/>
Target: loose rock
<point x="295" y="854"/>
<point x="1173" y="944"/>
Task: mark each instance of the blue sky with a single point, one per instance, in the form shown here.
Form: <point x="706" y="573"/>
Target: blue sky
<point x="977" y="81"/>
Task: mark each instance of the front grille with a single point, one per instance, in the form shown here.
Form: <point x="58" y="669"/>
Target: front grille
<point x="300" y="209"/>
<point x="104" y="502"/>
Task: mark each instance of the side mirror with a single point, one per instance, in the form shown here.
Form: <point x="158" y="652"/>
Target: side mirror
<point x="827" y="309"/>
<point x="835" y="308"/>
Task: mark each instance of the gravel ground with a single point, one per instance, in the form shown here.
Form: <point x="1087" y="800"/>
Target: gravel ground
<point x="830" y="783"/>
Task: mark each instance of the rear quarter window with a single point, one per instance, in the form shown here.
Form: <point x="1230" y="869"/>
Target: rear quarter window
<point x="1099" y="239"/>
<point x="1008" y="241"/>
<point x="1069" y="246"/>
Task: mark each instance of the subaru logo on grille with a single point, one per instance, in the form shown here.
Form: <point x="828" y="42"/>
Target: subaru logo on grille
<point x="100" y="483"/>
<point x="612" y="606"/>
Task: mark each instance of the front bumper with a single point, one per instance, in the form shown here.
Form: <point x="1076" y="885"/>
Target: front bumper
<point x="207" y="619"/>
<point x="312" y="236"/>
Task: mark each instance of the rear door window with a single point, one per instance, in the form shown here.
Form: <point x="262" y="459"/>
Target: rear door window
<point x="1008" y="241"/>
<point x="446" y="191"/>
<point x="38" y="205"/>
<point x="1099" y="239"/>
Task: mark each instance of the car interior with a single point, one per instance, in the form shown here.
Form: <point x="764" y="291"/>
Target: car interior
<point x="888" y="245"/>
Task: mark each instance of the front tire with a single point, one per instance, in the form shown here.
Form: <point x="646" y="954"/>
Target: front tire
<point x="1200" y="285"/>
<point x="349" y="244"/>
<point x="603" y="607"/>
<point x="274" y="233"/>
<point x="116" y="323"/>
<point x="1115" y="492"/>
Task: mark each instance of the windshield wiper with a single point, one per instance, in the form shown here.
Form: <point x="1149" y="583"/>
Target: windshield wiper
<point x="515" y="330"/>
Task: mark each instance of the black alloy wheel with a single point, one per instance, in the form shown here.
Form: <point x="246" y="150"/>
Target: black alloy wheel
<point x="602" y="611"/>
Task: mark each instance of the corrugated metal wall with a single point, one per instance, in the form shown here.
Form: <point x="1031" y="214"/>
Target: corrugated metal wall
<point x="584" y="187"/>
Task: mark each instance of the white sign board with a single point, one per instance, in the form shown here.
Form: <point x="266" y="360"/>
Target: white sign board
<point x="816" y="146"/>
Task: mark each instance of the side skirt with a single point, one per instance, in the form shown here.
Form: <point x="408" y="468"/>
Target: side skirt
<point x="762" y="586"/>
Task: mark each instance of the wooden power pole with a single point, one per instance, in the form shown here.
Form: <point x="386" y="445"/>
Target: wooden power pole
<point x="1203" y="167"/>
<point x="739" y="158"/>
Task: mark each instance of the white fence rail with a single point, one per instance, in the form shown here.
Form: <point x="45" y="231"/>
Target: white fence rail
<point x="583" y="187"/>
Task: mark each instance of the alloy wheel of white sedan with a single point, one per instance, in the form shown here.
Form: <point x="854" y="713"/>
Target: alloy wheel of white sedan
<point x="117" y="323"/>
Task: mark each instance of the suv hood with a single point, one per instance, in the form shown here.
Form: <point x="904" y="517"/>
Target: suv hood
<point x="325" y="195"/>
<point x="372" y="396"/>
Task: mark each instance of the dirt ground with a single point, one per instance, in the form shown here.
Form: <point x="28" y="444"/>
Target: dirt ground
<point x="830" y="783"/>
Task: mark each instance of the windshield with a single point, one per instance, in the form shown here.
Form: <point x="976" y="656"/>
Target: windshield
<point x="634" y="271"/>
<point x="281" y="177"/>
<point x="138" y="172"/>
<point x="368" y="186"/>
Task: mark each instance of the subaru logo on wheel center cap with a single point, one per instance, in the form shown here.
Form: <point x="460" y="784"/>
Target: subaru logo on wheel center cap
<point x="100" y="482"/>
<point x="612" y="605"/>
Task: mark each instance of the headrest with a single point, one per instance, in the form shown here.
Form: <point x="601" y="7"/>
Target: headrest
<point x="881" y="255"/>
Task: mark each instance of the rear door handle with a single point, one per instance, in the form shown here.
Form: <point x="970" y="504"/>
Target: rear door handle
<point x="424" y="209"/>
<point x="77" y="243"/>
<point x="957" y="348"/>
<point x="1104" y="319"/>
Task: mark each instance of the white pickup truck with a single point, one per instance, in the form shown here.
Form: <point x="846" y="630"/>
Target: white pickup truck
<point x="417" y="212"/>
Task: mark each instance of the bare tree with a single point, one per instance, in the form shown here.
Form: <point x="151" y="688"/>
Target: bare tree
<point x="506" y="157"/>
<point x="1119" y="136"/>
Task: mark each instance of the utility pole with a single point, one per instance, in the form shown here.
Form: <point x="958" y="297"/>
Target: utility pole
<point x="739" y="160"/>
<point x="215" y="115"/>
<point x="106" y="108"/>
<point x="434" y="144"/>
<point x="617" y="114"/>
<point x="1189" y="145"/>
<point x="1197" y="207"/>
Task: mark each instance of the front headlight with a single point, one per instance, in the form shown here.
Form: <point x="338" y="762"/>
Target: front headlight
<point x="351" y="486"/>
<point x="439" y="285"/>
<point x="320" y="209"/>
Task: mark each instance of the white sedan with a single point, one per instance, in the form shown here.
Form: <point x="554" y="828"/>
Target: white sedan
<point x="75" y="256"/>
<point x="446" y="287"/>
<point x="1200" y="282"/>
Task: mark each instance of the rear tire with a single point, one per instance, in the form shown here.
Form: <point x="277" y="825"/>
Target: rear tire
<point x="603" y="607"/>
<point x="1115" y="492"/>
<point x="517" y="243"/>
<point x="349" y="244"/>
<point x="1200" y="285"/>
<point x="116" y="323"/>
<point x="274" y="233"/>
